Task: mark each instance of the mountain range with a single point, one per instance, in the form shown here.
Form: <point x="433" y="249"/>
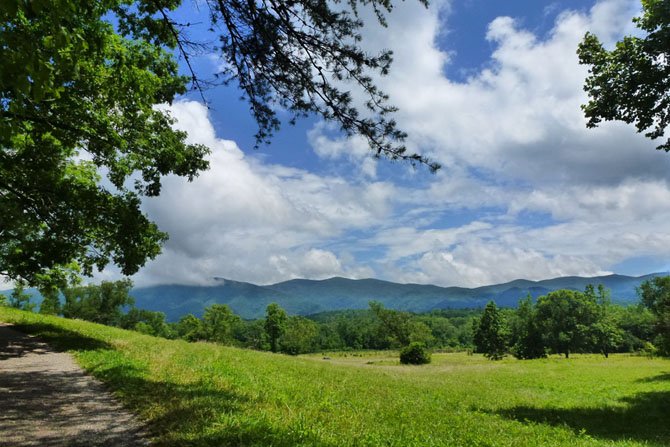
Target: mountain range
<point x="305" y="297"/>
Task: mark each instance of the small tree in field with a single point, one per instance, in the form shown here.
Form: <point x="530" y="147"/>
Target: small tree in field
<point x="219" y="323"/>
<point x="605" y="332"/>
<point x="415" y="354"/>
<point x="490" y="333"/>
<point x="566" y="318"/>
<point x="275" y="324"/>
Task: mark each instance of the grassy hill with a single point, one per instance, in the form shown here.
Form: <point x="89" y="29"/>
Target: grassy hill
<point x="202" y="394"/>
<point x="305" y="297"/>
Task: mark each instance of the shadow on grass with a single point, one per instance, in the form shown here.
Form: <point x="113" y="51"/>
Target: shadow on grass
<point x="62" y="339"/>
<point x="644" y="418"/>
<point x="199" y="413"/>
<point x="663" y="377"/>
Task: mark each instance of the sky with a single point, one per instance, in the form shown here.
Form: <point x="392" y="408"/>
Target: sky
<point x="492" y="91"/>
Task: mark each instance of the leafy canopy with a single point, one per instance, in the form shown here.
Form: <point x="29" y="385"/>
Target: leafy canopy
<point x="77" y="99"/>
<point x="82" y="139"/>
<point x="631" y="83"/>
<point x="655" y="295"/>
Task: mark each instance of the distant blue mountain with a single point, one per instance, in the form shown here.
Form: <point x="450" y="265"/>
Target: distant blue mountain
<point x="305" y="296"/>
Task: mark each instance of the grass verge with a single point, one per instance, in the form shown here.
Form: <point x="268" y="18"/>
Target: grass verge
<point x="201" y="394"/>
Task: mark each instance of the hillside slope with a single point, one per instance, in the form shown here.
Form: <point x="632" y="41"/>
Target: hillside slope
<point x="207" y="395"/>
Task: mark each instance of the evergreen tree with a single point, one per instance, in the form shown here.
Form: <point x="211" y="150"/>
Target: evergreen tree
<point x="490" y="335"/>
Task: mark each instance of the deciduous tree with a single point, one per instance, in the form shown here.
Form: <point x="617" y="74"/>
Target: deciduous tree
<point x="631" y="83"/>
<point x="102" y="303"/>
<point x="655" y="294"/>
<point x="79" y="88"/>
<point x="525" y="335"/>
<point x="275" y="324"/>
<point x="219" y="323"/>
<point x="300" y="336"/>
<point x="565" y="318"/>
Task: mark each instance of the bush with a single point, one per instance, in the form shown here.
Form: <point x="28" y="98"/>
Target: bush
<point x="414" y="354"/>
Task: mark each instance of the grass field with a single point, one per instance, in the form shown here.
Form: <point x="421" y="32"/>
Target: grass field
<point x="207" y="395"/>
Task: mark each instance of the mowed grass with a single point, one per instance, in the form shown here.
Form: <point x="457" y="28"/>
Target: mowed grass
<point x="208" y="395"/>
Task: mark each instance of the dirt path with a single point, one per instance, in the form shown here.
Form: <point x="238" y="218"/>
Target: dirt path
<point x="47" y="400"/>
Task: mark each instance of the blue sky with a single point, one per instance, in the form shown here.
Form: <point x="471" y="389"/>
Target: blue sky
<point x="489" y="89"/>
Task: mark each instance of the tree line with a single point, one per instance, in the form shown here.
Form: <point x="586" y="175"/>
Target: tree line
<point x="570" y="321"/>
<point x="563" y="322"/>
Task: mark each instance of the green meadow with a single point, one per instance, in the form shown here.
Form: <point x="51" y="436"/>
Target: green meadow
<point x="202" y="394"/>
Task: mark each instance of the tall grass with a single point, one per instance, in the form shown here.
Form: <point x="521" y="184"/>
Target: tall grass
<point x="202" y="394"/>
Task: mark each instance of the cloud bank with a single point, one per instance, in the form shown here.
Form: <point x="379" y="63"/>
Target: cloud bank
<point x="526" y="190"/>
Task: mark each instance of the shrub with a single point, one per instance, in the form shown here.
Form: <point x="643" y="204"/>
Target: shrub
<point x="414" y="354"/>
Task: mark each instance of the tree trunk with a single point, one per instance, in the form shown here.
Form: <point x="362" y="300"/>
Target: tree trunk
<point x="567" y="354"/>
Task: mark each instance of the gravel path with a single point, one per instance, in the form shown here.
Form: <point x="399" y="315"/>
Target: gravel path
<point x="47" y="400"/>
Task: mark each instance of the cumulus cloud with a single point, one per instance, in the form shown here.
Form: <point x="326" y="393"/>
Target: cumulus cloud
<point x="250" y="221"/>
<point x="526" y="190"/>
<point x="513" y="141"/>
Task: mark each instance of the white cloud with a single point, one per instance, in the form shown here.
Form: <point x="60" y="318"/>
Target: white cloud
<point x="526" y="192"/>
<point x="520" y="118"/>
<point x="251" y="221"/>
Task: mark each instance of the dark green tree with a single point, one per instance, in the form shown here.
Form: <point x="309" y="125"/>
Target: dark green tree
<point x="525" y="335"/>
<point x="637" y="323"/>
<point x="631" y="83"/>
<point x="275" y="324"/>
<point x="415" y="353"/>
<point x="102" y="303"/>
<point x="396" y="323"/>
<point x="219" y="323"/>
<point x="490" y="334"/>
<point x="565" y="318"/>
<point x="191" y="328"/>
<point x="251" y="334"/>
<point x="655" y="295"/>
<point x="77" y="98"/>
<point x="50" y="301"/>
<point x="606" y="333"/>
<point x="79" y="86"/>
<point x="147" y="322"/>
<point x="300" y="336"/>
